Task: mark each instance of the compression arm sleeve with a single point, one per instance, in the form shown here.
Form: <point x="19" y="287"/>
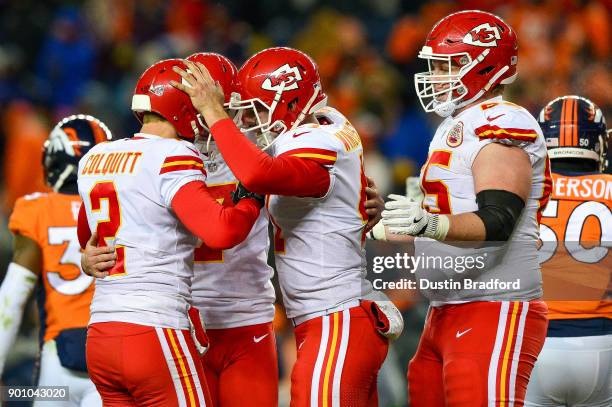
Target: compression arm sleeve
<point x="262" y="174"/>
<point x="499" y="211"/>
<point x="218" y="226"/>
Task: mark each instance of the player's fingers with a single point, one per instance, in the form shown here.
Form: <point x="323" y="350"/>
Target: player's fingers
<point x="205" y="73"/>
<point x="98" y="274"/>
<point x="374" y="204"/>
<point x="102" y="258"/>
<point x="371" y="182"/>
<point x="372" y="193"/>
<point x="104" y="266"/>
<point x="187" y="76"/>
<point x="372" y="211"/>
<point x="187" y="89"/>
<point x="93" y="239"/>
<point x="193" y="70"/>
<point x="95" y="251"/>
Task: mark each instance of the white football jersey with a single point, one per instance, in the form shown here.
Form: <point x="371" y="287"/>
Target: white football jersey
<point x="232" y="287"/>
<point x="127" y="187"/>
<point x="319" y="242"/>
<point x="448" y="185"/>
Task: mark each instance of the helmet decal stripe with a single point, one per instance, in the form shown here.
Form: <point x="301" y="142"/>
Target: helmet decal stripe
<point x="562" y="124"/>
<point x="575" y="125"/>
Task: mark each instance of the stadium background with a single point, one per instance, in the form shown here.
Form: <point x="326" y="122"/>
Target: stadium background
<point x="63" y="57"/>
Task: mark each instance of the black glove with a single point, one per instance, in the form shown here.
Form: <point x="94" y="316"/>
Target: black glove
<point x="241" y="192"/>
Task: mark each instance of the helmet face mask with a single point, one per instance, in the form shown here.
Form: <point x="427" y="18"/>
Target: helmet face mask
<point x="68" y="141"/>
<point x="254" y="117"/>
<point x="277" y="89"/>
<point x="451" y="89"/>
<point x="481" y="44"/>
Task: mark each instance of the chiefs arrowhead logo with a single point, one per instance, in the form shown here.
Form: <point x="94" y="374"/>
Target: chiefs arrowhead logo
<point x="157" y="90"/>
<point x="484" y="35"/>
<point x="455" y="135"/>
<point x="285" y="77"/>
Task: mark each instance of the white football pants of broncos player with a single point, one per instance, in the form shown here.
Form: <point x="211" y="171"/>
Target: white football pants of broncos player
<point x="81" y="390"/>
<point x="572" y="372"/>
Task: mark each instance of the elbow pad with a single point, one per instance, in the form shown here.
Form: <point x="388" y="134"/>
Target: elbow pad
<point x="499" y="211"/>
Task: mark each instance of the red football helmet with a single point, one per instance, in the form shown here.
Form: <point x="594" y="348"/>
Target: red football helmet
<point x="154" y="93"/>
<point x="223" y="71"/>
<point x="481" y="44"/>
<point x="283" y="82"/>
<point x="220" y="68"/>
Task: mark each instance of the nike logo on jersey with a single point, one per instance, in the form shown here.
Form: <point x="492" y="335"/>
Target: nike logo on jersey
<point x="258" y="339"/>
<point x="296" y="135"/>
<point x="460" y="334"/>
<point x="301" y="343"/>
<point x="196" y="152"/>
<point x="491" y="118"/>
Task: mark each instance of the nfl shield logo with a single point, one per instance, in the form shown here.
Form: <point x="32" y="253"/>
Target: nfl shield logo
<point x="455" y="135"/>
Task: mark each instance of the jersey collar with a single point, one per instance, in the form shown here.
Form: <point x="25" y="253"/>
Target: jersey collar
<point x="144" y="135"/>
<point x="494" y="99"/>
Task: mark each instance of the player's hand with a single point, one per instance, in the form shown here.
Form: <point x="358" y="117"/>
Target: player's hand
<point x="403" y="216"/>
<point x="374" y="205"/>
<point x="241" y="193"/>
<point x="97" y="261"/>
<point x="205" y="93"/>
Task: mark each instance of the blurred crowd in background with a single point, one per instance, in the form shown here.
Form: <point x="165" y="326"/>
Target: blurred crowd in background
<point x="64" y="57"/>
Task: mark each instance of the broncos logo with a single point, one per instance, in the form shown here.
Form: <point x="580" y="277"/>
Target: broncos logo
<point x="66" y="140"/>
<point x="286" y="78"/>
<point x="484" y="35"/>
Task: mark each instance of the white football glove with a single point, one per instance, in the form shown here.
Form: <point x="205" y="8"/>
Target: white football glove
<point x="390" y="321"/>
<point x="404" y="216"/>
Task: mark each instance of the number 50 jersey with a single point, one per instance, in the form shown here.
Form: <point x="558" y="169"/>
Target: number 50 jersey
<point x="127" y="188"/>
<point x="576" y="231"/>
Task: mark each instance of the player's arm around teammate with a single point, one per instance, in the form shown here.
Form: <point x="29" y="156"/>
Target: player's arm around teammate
<point x="308" y="158"/>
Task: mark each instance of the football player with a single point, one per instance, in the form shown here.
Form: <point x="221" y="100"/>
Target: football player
<point x="317" y="193"/>
<point x="575" y="366"/>
<point x="487" y="179"/>
<point x="232" y="288"/>
<point x="233" y="291"/>
<point x="46" y="255"/>
<point x="146" y="197"/>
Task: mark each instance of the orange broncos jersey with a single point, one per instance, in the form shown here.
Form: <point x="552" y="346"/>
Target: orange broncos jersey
<point x="576" y="229"/>
<point x="50" y="219"/>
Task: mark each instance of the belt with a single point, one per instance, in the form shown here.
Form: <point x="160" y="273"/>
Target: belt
<point x="303" y="318"/>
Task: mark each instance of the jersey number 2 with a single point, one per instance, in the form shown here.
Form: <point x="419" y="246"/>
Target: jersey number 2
<point x="108" y="227"/>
